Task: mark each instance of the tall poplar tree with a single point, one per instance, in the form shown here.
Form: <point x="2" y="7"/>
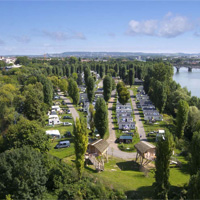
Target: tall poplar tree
<point x="86" y="74"/>
<point x="102" y="71"/>
<point x="164" y="149"/>
<point x="80" y="144"/>
<point x="131" y="77"/>
<point x="101" y="117"/>
<point x="90" y="89"/>
<point x="195" y="155"/>
<point x="181" y="117"/>
<point x="107" y="87"/>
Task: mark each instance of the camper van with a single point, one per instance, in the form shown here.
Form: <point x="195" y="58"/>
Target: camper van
<point x="63" y="144"/>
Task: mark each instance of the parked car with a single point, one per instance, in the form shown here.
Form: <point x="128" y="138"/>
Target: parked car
<point x="67" y="124"/>
<point x="68" y="111"/>
<point x="64" y="103"/>
<point x="124" y="131"/>
<point x="62" y="144"/>
<point x="67" y="117"/>
<point x="68" y="134"/>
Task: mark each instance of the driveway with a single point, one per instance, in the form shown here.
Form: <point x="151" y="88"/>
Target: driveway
<point x="70" y="106"/>
<point x="113" y="149"/>
<point x="138" y="120"/>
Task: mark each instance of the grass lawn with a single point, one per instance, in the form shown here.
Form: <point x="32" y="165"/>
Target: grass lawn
<point x="127" y="176"/>
<point x="63" y="152"/>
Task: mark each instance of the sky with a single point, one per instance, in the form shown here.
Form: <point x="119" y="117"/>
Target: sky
<point x="40" y="27"/>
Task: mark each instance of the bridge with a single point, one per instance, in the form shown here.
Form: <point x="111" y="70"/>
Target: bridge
<point x="190" y="67"/>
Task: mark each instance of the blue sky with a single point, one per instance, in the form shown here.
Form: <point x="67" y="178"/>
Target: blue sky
<point x="38" y="27"/>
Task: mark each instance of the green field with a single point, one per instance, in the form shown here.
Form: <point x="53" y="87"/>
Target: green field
<point x="136" y="182"/>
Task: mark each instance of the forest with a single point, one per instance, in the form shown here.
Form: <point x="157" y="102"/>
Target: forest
<point x="29" y="171"/>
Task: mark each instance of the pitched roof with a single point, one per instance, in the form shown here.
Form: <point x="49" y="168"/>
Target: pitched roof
<point x="100" y="144"/>
<point x="143" y="146"/>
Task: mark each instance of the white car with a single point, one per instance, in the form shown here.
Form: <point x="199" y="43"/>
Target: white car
<point x="67" y="124"/>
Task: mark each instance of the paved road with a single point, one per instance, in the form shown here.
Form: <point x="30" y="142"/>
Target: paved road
<point x="138" y="120"/>
<point x="113" y="147"/>
<point x="70" y="106"/>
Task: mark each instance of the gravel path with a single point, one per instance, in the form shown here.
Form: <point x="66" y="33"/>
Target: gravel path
<point x="113" y="147"/>
<point x="138" y="120"/>
<point x="70" y="106"/>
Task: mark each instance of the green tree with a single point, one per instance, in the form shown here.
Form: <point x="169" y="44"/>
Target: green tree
<point x="76" y="95"/>
<point x="123" y="73"/>
<point x="86" y="74"/>
<point x="181" y="118"/>
<point x="75" y="76"/>
<point x="195" y="155"/>
<point x="80" y="144"/>
<point x="55" y="81"/>
<point x="90" y="89"/>
<point x="193" y="121"/>
<point x="101" y="117"/>
<point x="73" y="60"/>
<point x="124" y="95"/>
<point x="194" y="186"/>
<point x="2" y="64"/>
<point x="164" y="149"/>
<point x="22" y="173"/>
<point x="33" y="105"/>
<point x="113" y="84"/>
<point x="158" y="93"/>
<point x="63" y="85"/>
<point x="131" y="74"/>
<point x="48" y="92"/>
<point x="107" y="87"/>
<point x="120" y="86"/>
<point x="92" y="114"/>
<point x="27" y="133"/>
<point x="102" y="71"/>
<point x="73" y="91"/>
<point x="79" y="80"/>
<point x="22" y="60"/>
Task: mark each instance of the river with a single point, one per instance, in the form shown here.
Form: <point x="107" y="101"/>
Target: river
<point x="191" y="80"/>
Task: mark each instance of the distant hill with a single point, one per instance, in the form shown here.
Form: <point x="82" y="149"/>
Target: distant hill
<point x="111" y="54"/>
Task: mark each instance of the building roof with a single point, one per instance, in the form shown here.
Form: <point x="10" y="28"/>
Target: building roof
<point x="127" y="123"/>
<point x="143" y="146"/>
<point x="125" y="137"/>
<point x="100" y="144"/>
<point x="52" y="132"/>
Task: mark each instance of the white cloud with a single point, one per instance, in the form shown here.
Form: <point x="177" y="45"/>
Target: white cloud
<point x="169" y="26"/>
<point x="147" y="27"/>
<point x="61" y="36"/>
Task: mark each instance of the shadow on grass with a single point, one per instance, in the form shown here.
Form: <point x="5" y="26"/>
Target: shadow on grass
<point x="128" y="165"/>
<point x="151" y="139"/>
<point x="145" y="192"/>
<point x="90" y="169"/>
<point x="184" y="168"/>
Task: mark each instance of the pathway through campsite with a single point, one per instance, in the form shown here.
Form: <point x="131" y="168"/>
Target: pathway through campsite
<point x="70" y="106"/>
<point x="138" y="119"/>
<point x="113" y="147"/>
